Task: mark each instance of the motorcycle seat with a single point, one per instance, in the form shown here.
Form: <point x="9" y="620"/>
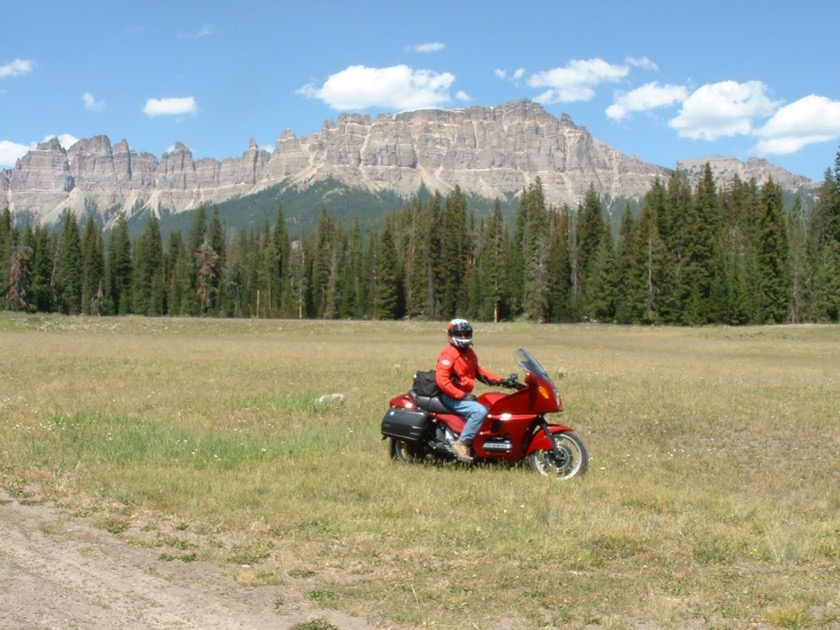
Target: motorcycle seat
<point x="429" y="403"/>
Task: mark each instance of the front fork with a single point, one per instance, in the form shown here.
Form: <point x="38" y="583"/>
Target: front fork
<point x="543" y="424"/>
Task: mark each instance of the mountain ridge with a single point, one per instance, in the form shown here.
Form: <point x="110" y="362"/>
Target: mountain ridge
<point x="486" y="151"/>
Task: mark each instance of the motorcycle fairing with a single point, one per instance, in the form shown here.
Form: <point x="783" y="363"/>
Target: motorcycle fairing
<point x="541" y="442"/>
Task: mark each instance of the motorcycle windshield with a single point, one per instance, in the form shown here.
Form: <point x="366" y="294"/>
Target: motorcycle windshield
<point x="527" y="362"/>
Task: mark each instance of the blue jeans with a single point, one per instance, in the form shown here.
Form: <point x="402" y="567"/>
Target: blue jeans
<point x="471" y="410"/>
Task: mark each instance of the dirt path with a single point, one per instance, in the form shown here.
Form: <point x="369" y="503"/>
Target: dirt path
<point x="59" y="572"/>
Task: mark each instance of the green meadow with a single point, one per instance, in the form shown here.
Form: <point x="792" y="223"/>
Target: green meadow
<point x="711" y="499"/>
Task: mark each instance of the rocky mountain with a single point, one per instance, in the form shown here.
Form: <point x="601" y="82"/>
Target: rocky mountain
<point x="726" y="168"/>
<point x="488" y="151"/>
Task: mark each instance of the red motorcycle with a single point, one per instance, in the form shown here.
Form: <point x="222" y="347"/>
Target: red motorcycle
<point x="421" y="428"/>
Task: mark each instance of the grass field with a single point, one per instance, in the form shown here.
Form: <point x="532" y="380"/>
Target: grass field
<point x="711" y="498"/>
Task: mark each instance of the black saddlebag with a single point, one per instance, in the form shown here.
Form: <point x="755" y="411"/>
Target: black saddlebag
<point x="404" y="424"/>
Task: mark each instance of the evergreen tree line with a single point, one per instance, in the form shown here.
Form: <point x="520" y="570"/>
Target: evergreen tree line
<point x="692" y="256"/>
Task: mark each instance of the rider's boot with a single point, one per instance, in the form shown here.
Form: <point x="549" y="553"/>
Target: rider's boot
<point x="462" y="451"/>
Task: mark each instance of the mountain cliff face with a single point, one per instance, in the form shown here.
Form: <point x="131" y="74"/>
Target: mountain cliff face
<point x="489" y="151"/>
<point x="726" y="168"/>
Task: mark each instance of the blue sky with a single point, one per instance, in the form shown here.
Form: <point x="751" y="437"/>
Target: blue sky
<point x="663" y="80"/>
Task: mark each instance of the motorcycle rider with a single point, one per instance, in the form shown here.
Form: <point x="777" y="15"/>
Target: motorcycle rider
<point x="457" y="371"/>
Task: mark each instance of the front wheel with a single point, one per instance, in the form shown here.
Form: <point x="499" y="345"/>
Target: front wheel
<point x="571" y="460"/>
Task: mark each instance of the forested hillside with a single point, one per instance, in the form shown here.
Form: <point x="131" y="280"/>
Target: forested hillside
<point x="719" y="252"/>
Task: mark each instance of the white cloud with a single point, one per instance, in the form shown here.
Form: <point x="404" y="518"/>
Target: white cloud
<point x="91" y="103"/>
<point x="10" y="152"/>
<point x="16" y="68"/>
<point x="429" y="47"/>
<point x="170" y="106"/>
<point x="64" y="139"/>
<point x="721" y="109"/>
<point x="810" y="120"/>
<point x="517" y="74"/>
<point x="576" y="81"/>
<point x="203" y="31"/>
<point x="462" y="96"/>
<point x="642" y="62"/>
<point x="398" y="87"/>
<point x="644" y="98"/>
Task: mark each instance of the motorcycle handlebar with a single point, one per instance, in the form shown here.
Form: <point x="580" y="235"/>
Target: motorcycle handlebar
<point x="512" y="382"/>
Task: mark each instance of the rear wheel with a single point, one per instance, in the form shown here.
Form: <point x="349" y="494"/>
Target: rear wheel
<point x="572" y="457"/>
<point x="406" y="452"/>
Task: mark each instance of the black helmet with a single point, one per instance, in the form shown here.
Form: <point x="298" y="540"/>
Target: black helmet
<point x="460" y="333"/>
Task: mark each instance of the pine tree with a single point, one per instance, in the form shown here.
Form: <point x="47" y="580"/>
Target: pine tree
<point x="475" y="279"/>
<point x="649" y="282"/>
<point x="119" y="268"/>
<point x="560" y="267"/>
<point x="732" y="260"/>
<point x="823" y="243"/>
<point x="826" y="218"/>
<point x="434" y="212"/>
<point x="280" y="252"/>
<point x="299" y="277"/>
<point x="530" y="255"/>
<point x="192" y="304"/>
<point x="324" y="286"/>
<point x="826" y="303"/>
<point x="454" y="252"/>
<point x="333" y="306"/>
<point x="216" y="239"/>
<point x="603" y="297"/>
<point x="141" y="267"/>
<point x="258" y="295"/>
<point x="28" y="240"/>
<point x="493" y="269"/>
<point x="198" y="229"/>
<point x="700" y="229"/>
<point x="5" y="230"/>
<point x="389" y="299"/>
<point x="623" y="271"/>
<point x="40" y="291"/>
<point x="7" y="246"/>
<point x="70" y="267"/>
<point x="147" y="280"/>
<point x="591" y="232"/>
<point x="345" y="281"/>
<point x="797" y="262"/>
<point x="771" y="246"/>
<point x="93" y="270"/>
<point x="352" y="280"/>
<point x="516" y="260"/>
<point x="418" y="268"/>
<point x="535" y="250"/>
<point x="234" y="277"/>
<point x="206" y="261"/>
<point x="176" y="272"/>
<point x="368" y="275"/>
<point x="675" y="232"/>
<point x="17" y="295"/>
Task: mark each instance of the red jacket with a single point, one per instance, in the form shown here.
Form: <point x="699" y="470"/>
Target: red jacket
<point x="457" y="371"/>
